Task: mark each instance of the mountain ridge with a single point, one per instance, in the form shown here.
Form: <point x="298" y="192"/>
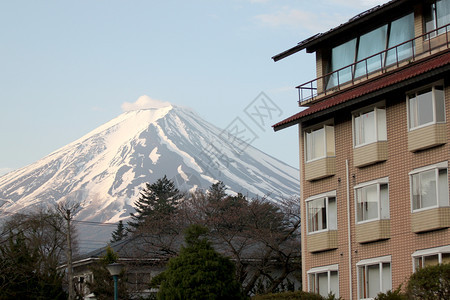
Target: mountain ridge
<point x="105" y="169"/>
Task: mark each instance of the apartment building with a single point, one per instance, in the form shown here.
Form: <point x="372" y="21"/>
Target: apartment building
<point x="374" y="149"/>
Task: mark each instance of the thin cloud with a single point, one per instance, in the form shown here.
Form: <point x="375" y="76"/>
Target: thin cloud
<point x="144" y="102"/>
<point x="363" y="4"/>
<point x="301" y="19"/>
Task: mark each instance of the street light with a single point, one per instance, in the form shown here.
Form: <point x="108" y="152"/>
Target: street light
<point x="115" y="269"/>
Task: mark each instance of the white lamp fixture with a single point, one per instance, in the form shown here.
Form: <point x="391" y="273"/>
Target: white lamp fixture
<point x="114" y="268"/>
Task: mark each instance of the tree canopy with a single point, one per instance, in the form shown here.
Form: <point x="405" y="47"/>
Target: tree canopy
<point x="119" y="234"/>
<point x="157" y="199"/>
<point x="199" y="272"/>
<point x="31" y="248"/>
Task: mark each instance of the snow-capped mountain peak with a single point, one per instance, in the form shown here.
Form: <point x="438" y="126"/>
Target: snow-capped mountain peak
<point x="106" y="169"/>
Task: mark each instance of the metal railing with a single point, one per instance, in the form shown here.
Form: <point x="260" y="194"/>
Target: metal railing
<point x="348" y="75"/>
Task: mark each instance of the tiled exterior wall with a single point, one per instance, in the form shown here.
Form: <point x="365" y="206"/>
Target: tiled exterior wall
<point x="403" y="241"/>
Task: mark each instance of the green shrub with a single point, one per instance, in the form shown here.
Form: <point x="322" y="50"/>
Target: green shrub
<point x="298" y="295"/>
<point x="432" y="282"/>
<point x="392" y="295"/>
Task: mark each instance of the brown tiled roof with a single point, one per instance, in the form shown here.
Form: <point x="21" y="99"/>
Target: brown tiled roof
<point x="383" y="81"/>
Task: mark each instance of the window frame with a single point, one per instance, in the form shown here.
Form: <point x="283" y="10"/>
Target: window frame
<point x="371" y="262"/>
<point x="420" y="254"/>
<point x="360" y="112"/>
<point x="433" y="100"/>
<point x="378" y="183"/>
<point x="320" y="270"/>
<point x="327" y="196"/>
<point x="314" y="128"/>
<point x="436" y="167"/>
<point x="432" y="9"/>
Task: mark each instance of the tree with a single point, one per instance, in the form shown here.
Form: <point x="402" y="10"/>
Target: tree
<point x="431" y="282"/>
<point x="119" y="234"/>
<point x="31" y="248"/>
<point x="260" y="237"/>
<point x="103" y="285"/>
<point x="157" y="199"/>
<point x="199" y="272"/>
<point x="217" y="191"/>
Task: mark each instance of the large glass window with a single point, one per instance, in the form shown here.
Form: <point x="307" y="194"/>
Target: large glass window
<point x="374" y="276"/>
<point x="429" y="187"/>
<point x="370" y="44"/>
<point x="321" y="212"/>
<point x="319" y="142"/>
<point x="369" y="126"/>
<point x="341" y="56"/>
<point x="437" y="15"/>
<point x="426" y="106"/>
<point x="431" y="257"/>
<point x="366" y="45"/>
<point x="324" y="280"/>
<point x="372" y="201"/>
<point x="401" y="31"/>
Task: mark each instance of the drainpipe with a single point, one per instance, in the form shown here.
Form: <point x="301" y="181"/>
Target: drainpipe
<point x="350" y="267"/>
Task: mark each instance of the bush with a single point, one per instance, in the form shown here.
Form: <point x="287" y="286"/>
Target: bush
<point x="298" y="295"/>
<point x="392" y="295"/>
<point x="432" y="282"/>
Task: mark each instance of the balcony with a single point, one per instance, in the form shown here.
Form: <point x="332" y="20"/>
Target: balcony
<point x="375" y="65"/>
<point x="322" y="241"/>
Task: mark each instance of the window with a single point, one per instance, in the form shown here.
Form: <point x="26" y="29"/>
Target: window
<point x="437" y="15"/>
<point x="322" y="212"/>
<point x="319" y="142"/>
<point x="431" y="257"/>
<point x="324" y="280"/>
<point x="371" y="43"/>
<point x="374" y="276"/>
<point x="369" y="126"/>
<point x="426" y="106"/>
<point x="429" y="187"/>
<point x="372" y="200"/>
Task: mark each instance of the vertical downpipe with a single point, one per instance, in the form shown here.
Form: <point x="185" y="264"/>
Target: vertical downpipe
<point x="348" y="230"/>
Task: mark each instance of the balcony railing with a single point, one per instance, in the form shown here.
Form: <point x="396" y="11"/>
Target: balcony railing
<point x="381" y="62"/>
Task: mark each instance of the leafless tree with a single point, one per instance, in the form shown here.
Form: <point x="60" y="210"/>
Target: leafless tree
<point x="260" y="236"/>
<point x="38" y="237"/>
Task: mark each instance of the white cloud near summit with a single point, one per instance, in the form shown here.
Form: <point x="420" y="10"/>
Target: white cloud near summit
<point x="144" y="102"/>
<point x="300" y="19"/>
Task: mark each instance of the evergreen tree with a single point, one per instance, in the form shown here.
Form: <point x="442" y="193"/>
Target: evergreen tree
<point x="103" y="284"/>
<point x="217" y="191"/>
<point x="119" y="234"/>
<point x="199" y="272"/>
<point x="157" y="199"/>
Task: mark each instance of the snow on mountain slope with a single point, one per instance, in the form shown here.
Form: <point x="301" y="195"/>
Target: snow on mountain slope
<point x="105" y="169"/>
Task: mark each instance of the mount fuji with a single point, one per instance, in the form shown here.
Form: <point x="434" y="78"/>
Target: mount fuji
<point x="106" y="169"/>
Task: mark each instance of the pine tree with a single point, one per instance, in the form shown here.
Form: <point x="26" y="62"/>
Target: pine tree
<point x="199" y="272"/>
<point x="119" y="234"/>
<point x="217" y="191"/>
<point x="159" y="198"/>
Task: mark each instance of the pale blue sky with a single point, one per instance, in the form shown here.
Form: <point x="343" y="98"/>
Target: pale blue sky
<point x="67" y="67"/>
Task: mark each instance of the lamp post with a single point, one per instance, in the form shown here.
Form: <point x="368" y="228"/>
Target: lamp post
<point x="115" y="269"/>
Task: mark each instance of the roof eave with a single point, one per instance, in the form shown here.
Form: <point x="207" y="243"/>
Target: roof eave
<point x="313" y="43"/>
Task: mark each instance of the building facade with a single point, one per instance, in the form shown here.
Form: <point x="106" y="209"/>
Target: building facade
<point x="374" y="149"/>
